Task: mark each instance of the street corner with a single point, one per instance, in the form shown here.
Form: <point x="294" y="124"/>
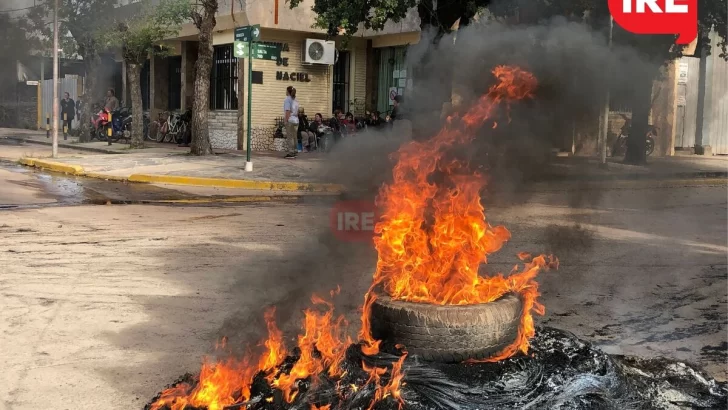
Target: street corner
<point x="353" y="220"/>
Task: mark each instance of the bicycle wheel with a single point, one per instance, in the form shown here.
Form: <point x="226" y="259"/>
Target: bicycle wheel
<point x="649" y="146"/>
<point x="153" y="131"/>
<point x="171" y="135"/>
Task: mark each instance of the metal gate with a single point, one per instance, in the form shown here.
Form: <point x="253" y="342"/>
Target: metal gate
<point x="67" y="84"/>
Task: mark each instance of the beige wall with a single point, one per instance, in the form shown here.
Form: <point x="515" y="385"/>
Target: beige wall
<point x="260" y="12"/>
<point x="409" y="24"/>
<point x="314" y="96"/>
<point x="300" y="19"/>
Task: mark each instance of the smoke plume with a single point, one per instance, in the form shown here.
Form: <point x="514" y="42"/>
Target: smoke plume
<point x="574" y="66"/>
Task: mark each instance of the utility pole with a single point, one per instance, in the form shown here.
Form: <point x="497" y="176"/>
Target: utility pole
<point x="605" y="114"/>
<point x="55" y="79"/>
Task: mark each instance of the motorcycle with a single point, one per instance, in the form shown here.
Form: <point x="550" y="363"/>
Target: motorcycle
<point x="120" y="125"/>
<point x="620" y="144"/>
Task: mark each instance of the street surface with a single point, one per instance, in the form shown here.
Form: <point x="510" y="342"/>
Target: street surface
<point x="101" y="306"/>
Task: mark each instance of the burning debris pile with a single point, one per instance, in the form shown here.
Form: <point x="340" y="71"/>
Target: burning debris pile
<point x="428" y="300"/>
<point x="562" y="372"/>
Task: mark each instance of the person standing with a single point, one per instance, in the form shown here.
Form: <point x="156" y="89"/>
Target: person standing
<point x="111" y="102"/>
<point x="290" y="107"/>
<point x="396" y="110"/>
<point x="68" y="113"/>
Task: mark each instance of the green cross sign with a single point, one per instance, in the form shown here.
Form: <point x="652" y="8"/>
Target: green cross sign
<point x="247" y="33"/>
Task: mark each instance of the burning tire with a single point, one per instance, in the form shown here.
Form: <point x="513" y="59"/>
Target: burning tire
<point x="447" y="333"/>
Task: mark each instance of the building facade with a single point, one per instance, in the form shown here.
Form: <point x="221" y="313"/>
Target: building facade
<point x="369" y="68"/>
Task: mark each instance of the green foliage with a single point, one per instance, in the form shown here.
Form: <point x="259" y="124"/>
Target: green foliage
<point x="80" y="21"/>
<point x="334" y="15"/>
<point x="139" y="34"/>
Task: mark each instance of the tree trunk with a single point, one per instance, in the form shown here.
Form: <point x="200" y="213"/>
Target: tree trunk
<point x="636" y="143"/>
<point x="200" y="129"/>
<point x="137" y="110"/>
<point x="91" y="62"/>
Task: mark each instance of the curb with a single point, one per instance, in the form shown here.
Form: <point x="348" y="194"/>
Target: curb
<point x="236" y="183"/>
<point x="233" y="199"/>
<point x="53" y="166"/>
<point x="77" y="147"/>
<point x="78" y="170"/>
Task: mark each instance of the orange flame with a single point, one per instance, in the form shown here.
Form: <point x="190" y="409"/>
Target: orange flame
<point x="323" y="345"/>
<point x="392" y="388"/>
<point x="432" y="237"/>
<point x="275" y="348"/>
<point x="220" y="384"/>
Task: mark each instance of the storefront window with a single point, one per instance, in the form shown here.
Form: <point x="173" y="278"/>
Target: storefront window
<point x="341" y="82"/>
<point x="392" y="75"/>
<point x="224" y="79"/>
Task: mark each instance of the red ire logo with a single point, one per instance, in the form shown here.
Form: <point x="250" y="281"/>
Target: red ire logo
<point x="353" y="221"/>
<point x="658" y="17"/>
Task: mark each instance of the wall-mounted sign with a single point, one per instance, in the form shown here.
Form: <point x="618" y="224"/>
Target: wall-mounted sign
<point x="292" y="76"/>
<point x="682" y="77"/>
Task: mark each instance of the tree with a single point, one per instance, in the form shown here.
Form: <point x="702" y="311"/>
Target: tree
<point x="84" y="20"/>
<point x="139" y="36"/>
<point x="203" y="15"/>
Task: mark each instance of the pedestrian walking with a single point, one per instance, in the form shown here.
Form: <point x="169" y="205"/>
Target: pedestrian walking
<point x="68" y="111"/>
<point x="290" y="109"/>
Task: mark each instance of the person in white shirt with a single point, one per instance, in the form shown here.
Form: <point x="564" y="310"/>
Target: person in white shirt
<point x="290" y="107"/>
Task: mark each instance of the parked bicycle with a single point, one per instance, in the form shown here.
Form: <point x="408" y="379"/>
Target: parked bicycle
<point x="170" y="127"/>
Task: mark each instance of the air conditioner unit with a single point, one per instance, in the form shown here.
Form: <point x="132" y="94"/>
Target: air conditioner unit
<point x="319" y="51"/>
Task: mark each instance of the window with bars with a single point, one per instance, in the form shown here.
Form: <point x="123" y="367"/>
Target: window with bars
<point x="224" y="79"/>
<point x="341" y="82"/>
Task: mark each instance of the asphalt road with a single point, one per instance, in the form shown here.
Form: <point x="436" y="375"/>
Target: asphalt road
<point x="103" y="305"/>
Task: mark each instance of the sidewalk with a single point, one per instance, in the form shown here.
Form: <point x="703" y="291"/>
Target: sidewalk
<point x="169" y="164"/>
<point x="676" y="167"/>
<point x="101" y="147"/>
